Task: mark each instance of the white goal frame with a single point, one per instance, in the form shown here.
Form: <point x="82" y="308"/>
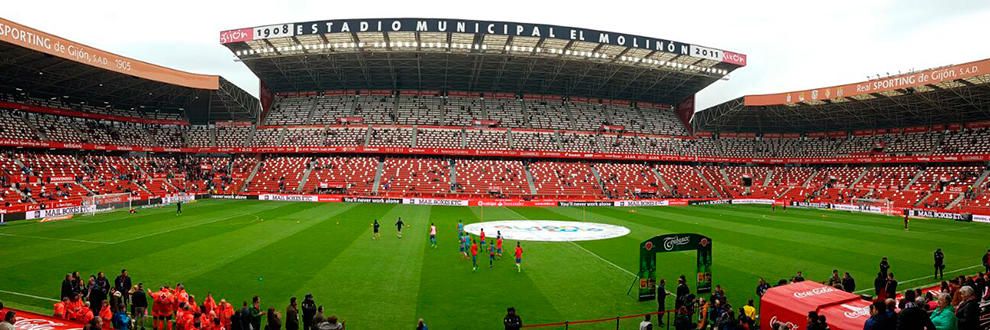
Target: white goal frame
<point x="886" y="206"/>
<point x="107" y="202"/>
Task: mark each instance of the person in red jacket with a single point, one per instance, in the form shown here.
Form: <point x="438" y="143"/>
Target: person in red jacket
<point x="106" y="315"/>
<point x="60" y="308"/>
<point x="209" y="305"/>
<point x="225" y="312"/>
<point x="161" y="309"/>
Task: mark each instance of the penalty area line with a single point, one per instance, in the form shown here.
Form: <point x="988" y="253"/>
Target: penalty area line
<point x="28" y="295"/>
<point x="603" y="259"/>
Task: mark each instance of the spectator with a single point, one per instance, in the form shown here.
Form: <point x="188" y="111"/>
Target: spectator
<point x="512" y="321"/>
<point x="682" y="291"/>
<point x="318" y="317"/>
<point x="848" y="283"/>
<point x="255" y="313"/>
<point x="274" y="320"/>
<point x="67" y="286"/>
<point x="8" y="321"/>
<point x="762" y="287"/>
<point x="646" y="324"/>
<point x="834" y="280"/>
<point x="943" y="316"/>
<point x="139" y="304"/>
<point x="968" y="311"/>
<point x="890" y="288"/>
<point x="292" y="315"/>
<point x="682" y="321"/>
<point x="877" y="320"/>
<point x="330" y="323"/>
<point x="913" y="317"/>
<point x="121" y="321"/>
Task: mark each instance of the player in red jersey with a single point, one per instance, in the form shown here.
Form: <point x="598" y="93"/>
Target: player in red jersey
<point x="519" y="253"/>
<point x="474" y="255"/>
<point x="498" y="246"/>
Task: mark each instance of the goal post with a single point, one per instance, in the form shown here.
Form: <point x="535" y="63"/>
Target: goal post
<point x="875" y="205"/>
<point x="106" y="202"/>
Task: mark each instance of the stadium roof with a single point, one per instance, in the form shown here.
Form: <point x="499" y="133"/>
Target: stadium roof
<point x="948" y="94"/>
<point x="476" y="56"/>
<point x="41" y="65"/>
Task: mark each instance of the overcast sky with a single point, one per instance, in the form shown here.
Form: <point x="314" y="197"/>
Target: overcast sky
<point x="791" y="44"/>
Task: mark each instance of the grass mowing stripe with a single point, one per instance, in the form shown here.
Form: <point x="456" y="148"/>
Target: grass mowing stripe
<point x="54" y="239"/>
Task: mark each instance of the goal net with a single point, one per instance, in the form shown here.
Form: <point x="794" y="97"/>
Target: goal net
<point x="106" y="202"/>
<point x="875" y="205"/>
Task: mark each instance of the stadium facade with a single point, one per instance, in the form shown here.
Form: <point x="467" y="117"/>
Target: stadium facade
<point x="463" y="112"/>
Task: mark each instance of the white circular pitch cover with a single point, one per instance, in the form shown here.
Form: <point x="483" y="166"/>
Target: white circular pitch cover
<point x="547" y="230"/>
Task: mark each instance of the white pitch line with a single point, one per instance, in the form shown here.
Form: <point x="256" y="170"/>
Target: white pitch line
<point x="179" y="228"/>
<point x="603" y="259"/>
<point x="55" y="239"/>
<point x="925" y="277"/>
<point x="28" y="295"/>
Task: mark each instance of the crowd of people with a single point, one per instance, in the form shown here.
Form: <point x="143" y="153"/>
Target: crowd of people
<point x="101" y="305"/>
<point x="952" y="305"/>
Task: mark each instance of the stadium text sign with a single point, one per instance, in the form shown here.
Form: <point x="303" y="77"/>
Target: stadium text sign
<point x="548" y="230"/>
<point x="23" y="36"/>
<point x="902" y="81"/>
<point x="478" y="27"/>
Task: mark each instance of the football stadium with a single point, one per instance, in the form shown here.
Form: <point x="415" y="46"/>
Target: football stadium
<point x="468" y="174"/>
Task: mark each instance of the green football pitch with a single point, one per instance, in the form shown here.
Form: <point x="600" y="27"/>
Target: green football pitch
<point x="238" y="249"/>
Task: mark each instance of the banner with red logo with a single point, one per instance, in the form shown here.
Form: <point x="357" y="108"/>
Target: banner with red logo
<point x="788" y="305"/>
<point x="30" y="321"/>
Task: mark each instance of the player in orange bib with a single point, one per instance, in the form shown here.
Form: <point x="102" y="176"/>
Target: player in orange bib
<point x="60" y="308"/>
<point x="226" y="311"/>
<point x="106" y="315"/>
<point x="161" y="308"/>
<point x="209" y="305"/>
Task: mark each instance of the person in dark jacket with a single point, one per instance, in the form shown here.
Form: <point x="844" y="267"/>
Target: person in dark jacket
<point x="661" y="299"/>
<point x="884" y="266"/>
<point x="879" y="283"/>
<point x="274" y="321"/>
<point x="848" y="283"/>
<point x="968" y="311"/>
<point x="682" y="291"/>
<point x="986" y="262"/>
<point x="67" y="285"/>
<point x="308" y="311"/>
<point x="255" y="313"/>
<point x="890" y="288"/>
<point x="913" y="317"/>
<point x="762" y="287"/>
<point x="139" y="304"/>
<point x="123" y="283"/>
<point x="939" y="263"/>
<point x="245" y="318"/>
<point x="512" y="321"/>
<point x="292" y="315"/>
